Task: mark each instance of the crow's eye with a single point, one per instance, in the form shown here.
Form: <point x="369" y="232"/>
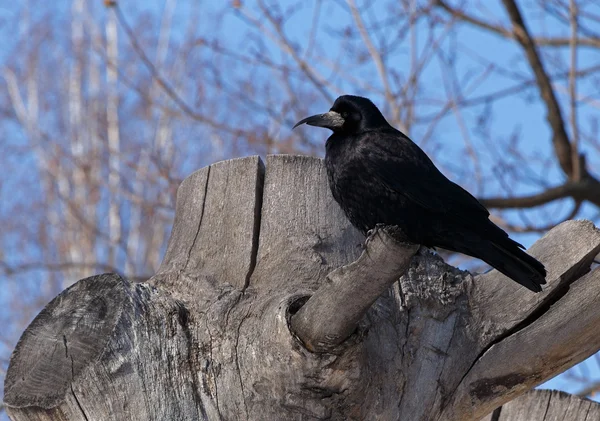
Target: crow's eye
<point x="344" y="114"/>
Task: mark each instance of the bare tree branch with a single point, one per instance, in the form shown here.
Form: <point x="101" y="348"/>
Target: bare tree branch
<point x="507" y="33"/>
<point x="536" y="229"/>
<point x="159" y="79"/>
<point x="560" y="139"/>
<point x="573" y="92"/>
<point x="376" y="56"/>
<point x="45" y="266"/>
<point x="585" y="189"/>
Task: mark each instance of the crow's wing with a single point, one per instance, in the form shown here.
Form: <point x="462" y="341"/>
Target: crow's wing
<point x="404" y="168"/>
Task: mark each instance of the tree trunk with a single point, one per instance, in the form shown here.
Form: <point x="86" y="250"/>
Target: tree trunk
<point x="226" y="329"/>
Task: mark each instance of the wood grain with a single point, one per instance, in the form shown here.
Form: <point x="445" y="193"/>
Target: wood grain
<point x="547" y="405"/>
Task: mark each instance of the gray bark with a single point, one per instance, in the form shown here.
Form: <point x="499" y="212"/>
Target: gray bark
<point x="223" y="330"/>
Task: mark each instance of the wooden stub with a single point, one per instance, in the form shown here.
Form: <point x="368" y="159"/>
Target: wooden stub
<point x="208" y="337"/>
<point x="350" y="292"/>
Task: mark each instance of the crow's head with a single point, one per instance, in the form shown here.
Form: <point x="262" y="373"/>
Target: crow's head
<point x="349" y="114"/>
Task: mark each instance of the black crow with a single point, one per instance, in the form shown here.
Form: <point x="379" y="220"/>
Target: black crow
<point x="379" y="176"/>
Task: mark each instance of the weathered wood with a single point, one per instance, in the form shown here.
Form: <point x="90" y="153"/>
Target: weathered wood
<point x="106" y="349"/>
<point x="218" y="211"/>
<point x="547" y="405"/>
<point x="570" y="257"/>
<point x="552" y="320"/>
<point x="303" y="232"/>
<point x="332" y="314"/>
<point x="209" y="338"/>
<point x="61" y="342"/>
<point x="565" y="332"/>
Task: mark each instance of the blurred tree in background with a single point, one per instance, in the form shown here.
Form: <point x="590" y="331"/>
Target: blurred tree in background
<point x="105" y="108"/>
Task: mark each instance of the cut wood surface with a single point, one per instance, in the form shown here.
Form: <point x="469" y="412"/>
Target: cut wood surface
<point x="262" y="268"/>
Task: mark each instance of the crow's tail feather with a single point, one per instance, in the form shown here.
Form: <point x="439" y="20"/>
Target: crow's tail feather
<point x="509" y="259"/>
<point x="504" y="254"/>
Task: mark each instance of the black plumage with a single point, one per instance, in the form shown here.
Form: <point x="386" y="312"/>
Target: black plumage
<point x="379" y="176"/>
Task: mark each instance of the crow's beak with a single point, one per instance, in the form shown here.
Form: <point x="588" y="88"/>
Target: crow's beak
<point x="330" y="120"/>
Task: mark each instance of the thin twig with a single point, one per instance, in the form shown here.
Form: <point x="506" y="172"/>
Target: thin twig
<point x="377" y="57"/>
<point x="592" y="42"/>
<point x="573" y="92"/>
<point x="157" y="76"/>
<point x="45" y="266"/>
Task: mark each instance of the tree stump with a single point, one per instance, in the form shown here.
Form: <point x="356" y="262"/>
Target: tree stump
<point x="270" y="306"/>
